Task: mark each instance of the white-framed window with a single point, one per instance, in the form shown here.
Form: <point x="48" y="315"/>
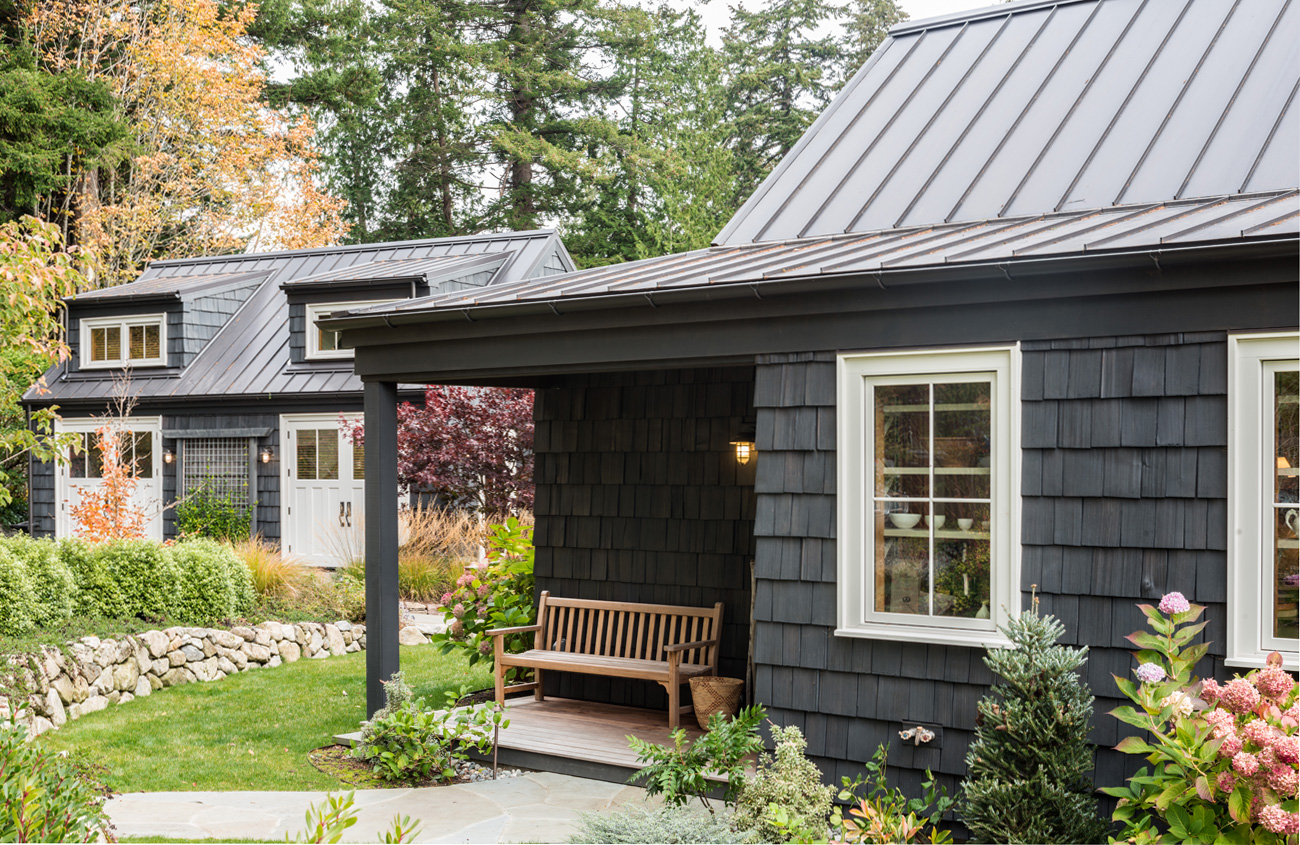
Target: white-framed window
<point x="139" y="340"/>
<point x="928" y="495"/>
<point x="322" y="344"/>
<point x="1263" y="497"/>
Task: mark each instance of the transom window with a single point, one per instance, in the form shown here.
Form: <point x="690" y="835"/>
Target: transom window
<point x="1264" y="498"/>
<point x="117" y="341"/>
<point x="88" y="461"/>
<point x="926" y="483"/>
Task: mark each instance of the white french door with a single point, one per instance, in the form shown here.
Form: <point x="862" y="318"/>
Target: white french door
<point x="141" y="445"/>
<point x="322" y="487"/>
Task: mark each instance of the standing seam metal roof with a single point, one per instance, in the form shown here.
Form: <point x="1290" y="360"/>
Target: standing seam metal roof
<point x="1041" y="107"/>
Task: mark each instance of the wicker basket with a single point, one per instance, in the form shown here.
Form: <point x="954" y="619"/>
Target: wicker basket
<point x="715" y="695"/>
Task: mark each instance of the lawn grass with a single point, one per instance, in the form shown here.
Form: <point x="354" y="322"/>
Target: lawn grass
<point x="252" y="730"/>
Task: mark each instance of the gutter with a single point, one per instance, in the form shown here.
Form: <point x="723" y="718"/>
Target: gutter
<point x="830" y="282"/>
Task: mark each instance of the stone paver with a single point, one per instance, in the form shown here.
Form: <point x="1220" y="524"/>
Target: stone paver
<point x="537" y="807"/>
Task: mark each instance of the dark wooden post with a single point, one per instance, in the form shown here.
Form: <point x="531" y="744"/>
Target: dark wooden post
<point x="382" y="615"/>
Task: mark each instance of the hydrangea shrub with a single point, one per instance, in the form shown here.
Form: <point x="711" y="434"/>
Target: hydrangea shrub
<point x="1223" y="757"/>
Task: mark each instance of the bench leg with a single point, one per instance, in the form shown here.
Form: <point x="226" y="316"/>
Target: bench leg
<point x="538" y="695"/>
<point x="674" y="705"/>
<point x="501" y="684"/>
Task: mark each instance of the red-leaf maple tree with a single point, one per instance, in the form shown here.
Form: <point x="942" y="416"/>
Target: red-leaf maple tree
<point x="471" y="447"/>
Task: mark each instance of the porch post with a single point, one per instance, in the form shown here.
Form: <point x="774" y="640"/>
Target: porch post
<point x="381" y="540"/>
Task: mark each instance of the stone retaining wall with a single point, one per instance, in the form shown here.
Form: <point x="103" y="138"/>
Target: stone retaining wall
<point x="93" y="673"/>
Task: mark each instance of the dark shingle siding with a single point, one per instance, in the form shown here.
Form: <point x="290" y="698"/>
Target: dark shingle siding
<point x="639" y="498"/>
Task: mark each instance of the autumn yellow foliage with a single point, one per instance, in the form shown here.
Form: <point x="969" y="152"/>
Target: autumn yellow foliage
<point x="208" y="167"/>
<point x="106" y="512"/>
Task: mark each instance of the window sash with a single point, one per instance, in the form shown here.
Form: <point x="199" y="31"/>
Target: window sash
<point x="112" y="342"/>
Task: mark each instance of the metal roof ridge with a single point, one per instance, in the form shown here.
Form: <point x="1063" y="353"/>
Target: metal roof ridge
<point x="970" y="15"/>
<point x="348" y="248"/>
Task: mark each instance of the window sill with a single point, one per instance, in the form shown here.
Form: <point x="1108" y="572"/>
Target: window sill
<point x="120" y="365"/>
<point x="923" y="634"/>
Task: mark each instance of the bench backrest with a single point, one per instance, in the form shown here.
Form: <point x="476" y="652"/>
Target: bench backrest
<point x="626" y="629"/>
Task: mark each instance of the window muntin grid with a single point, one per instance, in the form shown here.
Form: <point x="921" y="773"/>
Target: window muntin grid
<point x="88" y="461"/>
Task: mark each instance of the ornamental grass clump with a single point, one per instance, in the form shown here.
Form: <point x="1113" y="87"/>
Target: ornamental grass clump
<point x="1029" y="768"/>
<point x="1223" y="757"/>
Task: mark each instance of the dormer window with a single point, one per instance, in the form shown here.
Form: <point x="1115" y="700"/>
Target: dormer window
<point x="322" y="344"/>
<point x="118" y="341"/>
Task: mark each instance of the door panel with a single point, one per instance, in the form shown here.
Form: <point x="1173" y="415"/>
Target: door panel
<point x="323" y="520"/>
<point x="142" y="446"/>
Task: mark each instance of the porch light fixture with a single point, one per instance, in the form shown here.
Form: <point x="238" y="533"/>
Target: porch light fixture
<point x="267" y="455"/>
<point x="168" y="456"/>
<point x="744" y="450"/>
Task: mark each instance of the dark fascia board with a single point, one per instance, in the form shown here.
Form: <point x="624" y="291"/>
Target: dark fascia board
<point x="1227" y="294"/>
<point x="1018" y="268"/>
<point x="350" y="285"/>
<point x="175" y="295"/>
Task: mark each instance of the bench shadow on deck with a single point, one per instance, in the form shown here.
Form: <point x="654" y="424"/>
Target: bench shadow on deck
<point x="581" y="738"/>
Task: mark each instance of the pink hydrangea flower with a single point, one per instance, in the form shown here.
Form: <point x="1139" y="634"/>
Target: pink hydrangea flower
<point x="484" y="647"/>
<point x="483" y="590"/>
<point x="1239" y="695"/>
<point x="1174" y="603"/>
<point x="1284" y="779"/>
<point x="1279" y="821"/>
<point x="456" y="629"/>
<point x="1230" y="746"/>
<point x="1259" y="732"/>
<point x="1287" y="750"/>
<point x="1245" y="763"/>
<point x="1210" y="690"/>
<point x="1226" y="781"/>
<point x="446" y="597"/>
<point x="1181" y="703"/>
<point x="458" y="611"/>
<point x="1149" y="673"/>
<point x="1273" y="681"/>
<point x="1219" y="718"/>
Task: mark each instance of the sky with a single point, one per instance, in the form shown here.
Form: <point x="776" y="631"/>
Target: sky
<point x="716" y="12"/>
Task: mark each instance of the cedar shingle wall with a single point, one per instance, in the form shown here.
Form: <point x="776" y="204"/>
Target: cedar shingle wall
<point x="640" y="498"/>
<point x="1123" y="486"/>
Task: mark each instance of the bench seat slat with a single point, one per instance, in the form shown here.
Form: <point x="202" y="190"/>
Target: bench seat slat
<point x="591" y="664"/>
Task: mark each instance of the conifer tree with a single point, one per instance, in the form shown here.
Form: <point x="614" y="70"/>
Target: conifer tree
<point x="1028" y="777"/>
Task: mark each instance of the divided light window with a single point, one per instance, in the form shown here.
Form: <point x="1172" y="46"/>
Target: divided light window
<point x="1264" y="498"/>
<point x="118" y="341"/>
<point x="322" y="344"/>
<point x="926" y="479"/>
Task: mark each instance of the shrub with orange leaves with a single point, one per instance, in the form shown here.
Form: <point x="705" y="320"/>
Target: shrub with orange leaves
<point x="106" y="512"/>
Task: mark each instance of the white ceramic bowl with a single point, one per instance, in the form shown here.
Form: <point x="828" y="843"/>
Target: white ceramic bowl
<point x="965" y="523"/>
<point x="937" y="520"/>
<point x="905" y="520"/>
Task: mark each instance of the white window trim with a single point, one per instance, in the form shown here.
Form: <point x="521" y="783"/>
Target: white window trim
<point x="319" y="309"/>
<point x="855" y="533"/>
<point x="1250" y="449"/>
<point x="88" y="323"/>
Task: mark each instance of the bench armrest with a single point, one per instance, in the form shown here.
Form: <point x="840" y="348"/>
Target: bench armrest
<point x="518" y="629"/>
<point x="690" y="646"/>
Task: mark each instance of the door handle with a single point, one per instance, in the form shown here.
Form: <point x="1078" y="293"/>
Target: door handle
<point x="349" y="514"/>
<point x="341" y="517"/>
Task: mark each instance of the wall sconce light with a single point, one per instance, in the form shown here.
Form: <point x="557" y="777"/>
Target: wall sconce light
<point x="169" y="456"/>
<point x="744" y="450"/>
<point x="267" y="455"/>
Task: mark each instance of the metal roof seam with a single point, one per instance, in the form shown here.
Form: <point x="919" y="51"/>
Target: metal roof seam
<point x="1259" y="227"/>
<point x="938" y="112"/>
<point x="1060" y="127"/>
<point x="1182" y="211"/>
<point x="1232" y="213"/>
<point x="1267" y="141"/>
<point x="1024" y="111"/>
<point x="1128" y="98"/>
<point x="1223" y="115"/>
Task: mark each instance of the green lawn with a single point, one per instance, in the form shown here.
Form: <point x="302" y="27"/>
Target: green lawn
<point x="252" y="730"/>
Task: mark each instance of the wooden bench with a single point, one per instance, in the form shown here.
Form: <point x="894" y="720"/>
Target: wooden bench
<point x="664" y="643"/>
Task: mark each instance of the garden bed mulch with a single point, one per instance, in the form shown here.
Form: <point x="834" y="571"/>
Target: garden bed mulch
<point x="337" y="761"/>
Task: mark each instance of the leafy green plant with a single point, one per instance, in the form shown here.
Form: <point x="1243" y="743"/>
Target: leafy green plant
<point x="1223" y="757"/>
<point x="632" y="824"/>
<point x="206" y="513"/>
<point x="215" y="584"/>
<point x="885" y="814"/>
<point x="406" y="741"/>
<point x="45" y="797"/>
<point x="17" y="599"/>
<point x="683" y="771"/>
<point x="785" y="799"/>
<point x="330" y="819"/>
<point x="497" y="593"/>
<point x="53" y="586"/>
<point x="1029" y="768"/>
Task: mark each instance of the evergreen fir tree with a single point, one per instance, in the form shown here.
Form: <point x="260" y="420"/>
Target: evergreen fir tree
<point x="1029" y="767"/>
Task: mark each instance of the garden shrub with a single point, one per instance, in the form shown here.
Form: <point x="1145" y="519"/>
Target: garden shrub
<point x="1223" y="757"/>
<point x="788" y="781"/>
<point x="1030" y="765"/>
<point x="885" y="814"/>
<point x="146" y="576"/>
<point x="205" y="513"/>
<point x="51" y="581"/>
<point x="214" y="583"/>
<point x="497" y="593"/>
<point x="631" y="824"/>
<point x="45" y="797"/>
<point x="17" y="599"/>
<point x="98" y="590"/>
<point x="682" y="772"/>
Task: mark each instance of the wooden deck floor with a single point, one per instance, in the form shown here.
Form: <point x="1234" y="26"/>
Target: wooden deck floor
<point x="583" y="731"/>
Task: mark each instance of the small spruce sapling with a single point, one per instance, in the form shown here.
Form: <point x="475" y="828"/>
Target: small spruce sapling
<point x="1029" y="767"/>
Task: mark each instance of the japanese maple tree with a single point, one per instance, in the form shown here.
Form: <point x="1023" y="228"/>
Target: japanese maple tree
<point x="470" y="446"/>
